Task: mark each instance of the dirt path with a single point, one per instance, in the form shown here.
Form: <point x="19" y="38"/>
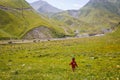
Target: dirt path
<point x="41" y="40"/>
<point x="9" y="8"/>
<point x="29" y="41"/>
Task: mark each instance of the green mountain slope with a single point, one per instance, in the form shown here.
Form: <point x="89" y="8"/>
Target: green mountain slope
<point x="95" y="17"/>
<point x="74" y="23"/>
<point x="116" y="34"/>
<point x="17" y="18"/>
<point x="101" y="13"/>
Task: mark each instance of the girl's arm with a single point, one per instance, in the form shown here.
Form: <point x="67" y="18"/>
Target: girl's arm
<point x="76" y="64"/>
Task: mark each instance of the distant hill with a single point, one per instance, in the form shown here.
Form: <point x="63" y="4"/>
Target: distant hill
<point x="110" y="5"/>
<point x="18" y="19"/>
<point x="69" y="18"/>
<point x="99" y="15"/>
<point x="73" y="13"/>
<point x="44" y="7"/>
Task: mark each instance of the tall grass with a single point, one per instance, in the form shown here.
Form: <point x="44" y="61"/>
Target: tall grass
<point x="97" y="59"/>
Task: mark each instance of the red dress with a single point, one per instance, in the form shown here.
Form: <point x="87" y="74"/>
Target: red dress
<point x="73" y="64"/>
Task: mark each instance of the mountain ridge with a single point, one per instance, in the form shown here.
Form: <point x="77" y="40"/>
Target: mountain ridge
<point x="18" y="19"/>
<point x="101" y="14"/>
<point x="44" y="8"/>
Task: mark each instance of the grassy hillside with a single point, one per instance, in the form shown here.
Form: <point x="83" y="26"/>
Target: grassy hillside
<point x="94" y="18"/>
<point x="100" y="14"/>
<point x="17" y="18"/>
<point x="97" y="59"/>
<point x="14" y="3"/>
<point x="73" y="23"/>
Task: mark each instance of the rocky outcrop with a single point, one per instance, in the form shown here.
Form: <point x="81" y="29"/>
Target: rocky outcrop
<point x="73" y="13"/>
<point x="39" y="33"/>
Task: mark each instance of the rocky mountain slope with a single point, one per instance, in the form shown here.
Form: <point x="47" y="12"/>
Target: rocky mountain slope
<point x="44" y="8"/>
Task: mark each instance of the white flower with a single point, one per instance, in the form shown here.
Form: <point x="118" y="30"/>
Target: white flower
<point x="23" y="65"/>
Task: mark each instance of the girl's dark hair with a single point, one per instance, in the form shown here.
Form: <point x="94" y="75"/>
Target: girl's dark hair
<point x="73" y="58"/>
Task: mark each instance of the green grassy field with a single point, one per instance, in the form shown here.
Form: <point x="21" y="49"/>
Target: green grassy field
<point x="97" y="58"/>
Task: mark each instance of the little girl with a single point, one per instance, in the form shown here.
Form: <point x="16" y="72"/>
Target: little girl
<point x="73" y="64"/>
